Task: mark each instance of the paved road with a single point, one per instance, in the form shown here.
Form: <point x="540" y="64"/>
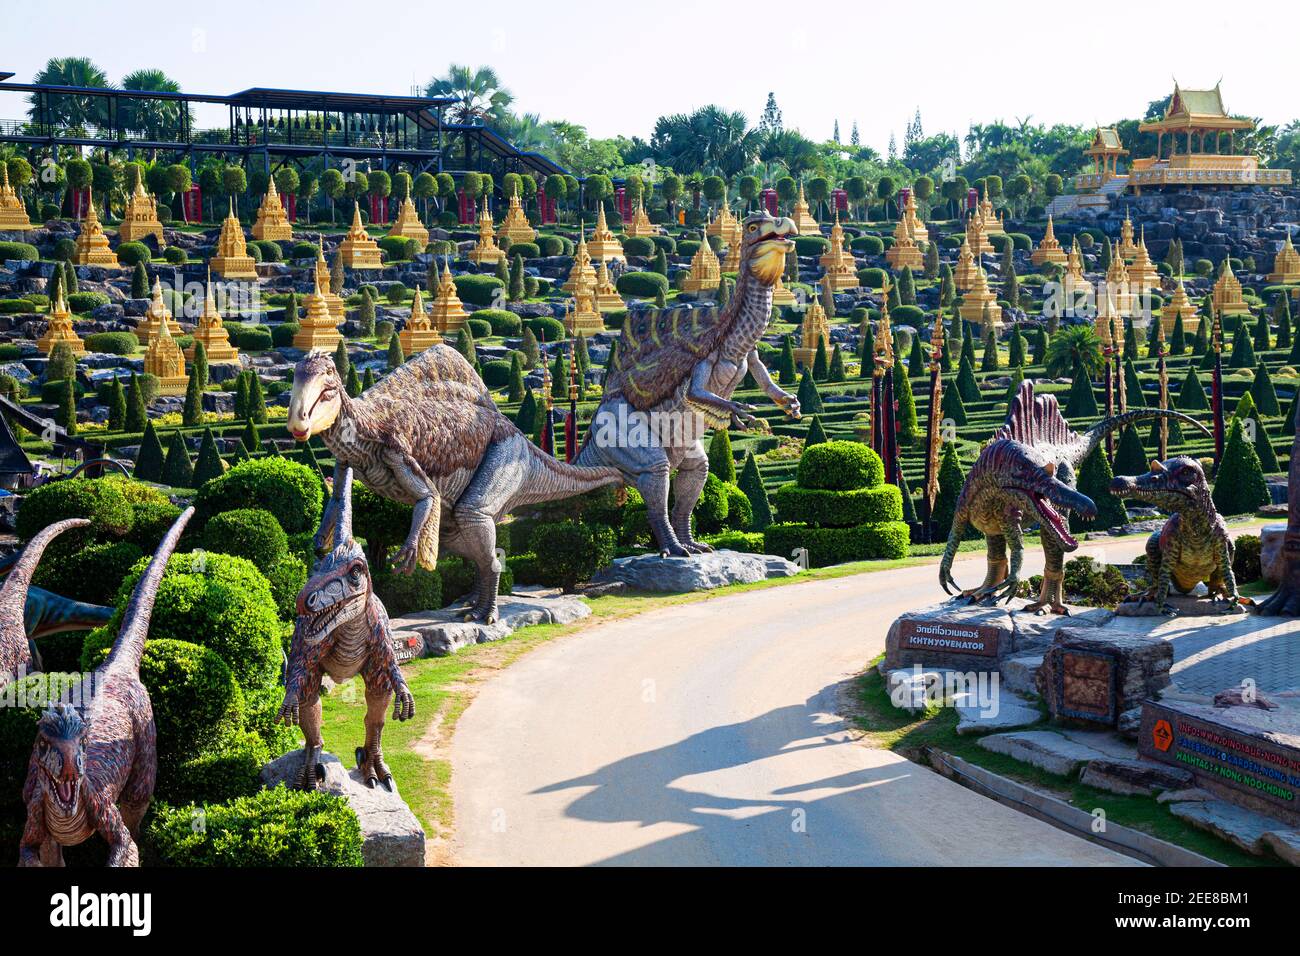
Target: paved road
<point x="707" y="734"/>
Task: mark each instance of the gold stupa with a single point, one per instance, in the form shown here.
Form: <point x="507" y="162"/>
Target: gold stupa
<point x="1142" y="274"/>
<point x="13" y="214"/>
<point x="321" y="276"/>
<point x="840" y="270"/>
<point x="915" y="227"/>
<point x="408" y="225"/>
<point x="1049" y="250"/>
<point x="803" y="219"/>
<point x="418" y="333"/>
<point x="963" y="276"/>
<point x="1117" y="285"/>
<point x="141" y="217"/>
<point x="213" y="335"/>
<point x="232" y="260"/>
<point x="317" y="329"/>
<point x="272" y="221"/>
<point x="606" y="293"/>
<point x="515" y="226"/>
<point x="974" y="301"/>
<point x="781" y="295"/>
<point x="92" y="244"/>
<point x="977" y="238"/>
<point x="1075" y="282"/>
<point x="486" y="249"/>
<point x="447" y="315"/>
<point x="1227" y="293"/>
<point x="1178" y="304"/>
<point x="990" y="221"/>
<point x="60" y="328"/>
<point x="157" y="316"/>
<point x="582" y="270"/>
<point x="165" y="361"/>
<point x="904" y="251"/>
<point x="815" y="328"/>
<point x="1286" y="264"/>
<point x="1127" y="248"/>
<point x="1108" y="316"/>
<point x="357" y="249"/>
<point x="583" y="318"/>
<point x="603" y="246"/>
<point x="640" y="224"/>
<point x="705" y="270"/>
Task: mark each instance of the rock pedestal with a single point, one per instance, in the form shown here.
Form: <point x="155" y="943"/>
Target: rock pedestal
<point x="1097" y="674"/>
<point x="390" y="833"/>
<point x="443" y="632"/>
<point x="700" y="572"/>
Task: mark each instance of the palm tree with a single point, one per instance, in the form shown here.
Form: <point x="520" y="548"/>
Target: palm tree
<point x="70" y="109"/>
<point x="1077" y="344"/>
<point x="527" y="132"/>
<point x="154" y="119"/>
<point x="790" y="149"/>
<point x="479" y="94"/>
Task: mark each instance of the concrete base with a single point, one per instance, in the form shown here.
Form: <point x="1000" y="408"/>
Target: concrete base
<point x="700" y="572"/>
<point x="443" y="632"/>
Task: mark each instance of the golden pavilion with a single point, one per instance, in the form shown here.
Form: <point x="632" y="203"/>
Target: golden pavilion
<point x="1142" y="274"/>
<point x="1226" y="295"/>
<point x="212" y="333"/>
<point x="13" y="214"/>
<point x="317" y="329"/>
<point x="357" y="249"/>
<point x="272" y="221"/>
<point x="705" y="270"/>
<point x="1286" y="264"/>
<point x="990" y="221"/>
<point x="448" y="314"/>
<point x="141" y="217"/>
<point x="165" y="361"/>
<point x="92" y="243"/>
<point x="157" y="316"/>
<point x="418" y="333"/>
<point x="607" y="296"/>
<point x="904" y="251"/>
<point x="60" y="329"/>
<point x="407" y="225"/>
<point x="232" y="260"/>
<point x="515" y="226"/>
<point x="603" y="246"/>
<point x="1049" y="250"/>
<point x="582" y="270"/>
<point x="841" y="271"/>
<point x="963" y="274"/>
<point x="803" y="220"/>
<point x="815" y="328"/>
<point x="1106" y="151"/>
<point x="725" y="225"/>
<point x="1178" y="304"/>
<point x="640" y="224"/>
<point x="979" y="296"/>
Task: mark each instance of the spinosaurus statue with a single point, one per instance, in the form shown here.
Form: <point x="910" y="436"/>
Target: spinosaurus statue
<point x="1192" y="547"/>
<point x="1026" y="473"/>
<point x="342" y="630"/>
<point x="675" y="370"/>
<point x="429" y="435"/>
<point x="92" y="768"/>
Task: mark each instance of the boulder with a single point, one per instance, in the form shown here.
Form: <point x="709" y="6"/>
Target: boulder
<point x="443" y="632"/>
<point x="700" y="572"/>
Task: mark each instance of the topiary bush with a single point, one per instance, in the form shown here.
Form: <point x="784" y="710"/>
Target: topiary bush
<point x="811" y="245"/>
<point x="644" y="285"/>
<point x="404" y="593"/>
<point x="529" y="250"/>
<point x="92" y="573"/>
<point x="290" y="490"/>
<point x="711" y="510"/>
<point x="500" y="321"/>
<point x="868" y="245"/>
<point x="102" y="502"/>
<point x="80" y="302"/>
<point x="19" y="251"/>
<point x="817" y="506"/>
<point x="826" y="546"/>
<point x="545" y="328"/>
<point x="133" y="253"/>
<point x="254" y="338"/>
<point x="638" y="246"/>
<point x="1246" y="559"/>
<point x="251" y="533"/>
<point x="840" y="466"/>
<point x="568" y="552"/>
<point x="113" y="343"/>
<point x="479" y="289"/>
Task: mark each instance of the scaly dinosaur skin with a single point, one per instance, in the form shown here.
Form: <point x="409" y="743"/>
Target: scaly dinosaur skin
<point x="1028" y="472"/>
<point x="342" y="630"/>
<point x="92" y="768"/>
<point x="680" y="368"/>
<point x="15" y="596"/>
<point x="1193" y="546"/>
<point x="429" y="435"/>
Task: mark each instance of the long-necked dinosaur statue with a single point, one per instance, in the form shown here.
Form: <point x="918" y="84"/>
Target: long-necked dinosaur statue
<point x="93" y="766"/>
<point x="673" y="377"/>
<point x="1193" y="546"/>
<point x="1027" y="474"/>
<point x="15" y="630"/>
<point x="429" y="435"/>
<point x="342" y="630"/>
<point x="46" y="613"/>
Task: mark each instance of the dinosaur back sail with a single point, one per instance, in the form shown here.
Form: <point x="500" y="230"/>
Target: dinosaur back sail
<point x="1036" y="420"/>
<point x="658" y="350"/>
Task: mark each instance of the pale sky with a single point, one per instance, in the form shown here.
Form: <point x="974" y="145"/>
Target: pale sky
<point x="957" y="62"/>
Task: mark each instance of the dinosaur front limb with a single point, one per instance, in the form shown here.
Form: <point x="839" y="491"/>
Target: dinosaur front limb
<point x="122" y="850"/>
<point x="771" y="389"/>
<point x="1231" y="600"/>
<point x="687" y="486"/>
<point x="421" y="545"/>
<point x="34" y="835"/>
<point x="699" y="393"/>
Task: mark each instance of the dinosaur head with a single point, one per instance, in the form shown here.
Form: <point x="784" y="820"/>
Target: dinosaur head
<point x="764" y="241"/>
<point x="60" y="755"/>
<point x="1029" y="480"/>
<point x="317" y="396"/>
<point x="339" y="587"/>
<point x="1170" y="485"/>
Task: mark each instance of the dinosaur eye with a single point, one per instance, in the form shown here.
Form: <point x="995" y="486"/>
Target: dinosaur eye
<point x="753" y="227"/>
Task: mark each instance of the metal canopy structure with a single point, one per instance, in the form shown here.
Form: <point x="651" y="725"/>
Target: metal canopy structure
<point x="276" y="125"/>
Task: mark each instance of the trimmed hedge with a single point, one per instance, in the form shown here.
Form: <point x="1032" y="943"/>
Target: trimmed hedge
<point x="478" y="289"/>
<point x="644" y="285"/>
<point x="21" y="251"/>
<point x="251" y="533"/>
<point x="840" y="466"/>
<point x="500" y="321"/>
<point x="825" y="546"/>
<point x="113" y="343"/>
<point x="290" y="490"/>
<point x="102" y="502"/>
<point x="838" y="509"/>
<point x="133" y="253"/>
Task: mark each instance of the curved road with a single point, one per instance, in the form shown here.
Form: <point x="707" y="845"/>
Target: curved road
<point x="707" y="734"/>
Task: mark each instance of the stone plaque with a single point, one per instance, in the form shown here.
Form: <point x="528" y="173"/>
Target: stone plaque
<point x="1222" y="755"/>
<point x="1087" y="685"/>
<point x="949" y="637"/>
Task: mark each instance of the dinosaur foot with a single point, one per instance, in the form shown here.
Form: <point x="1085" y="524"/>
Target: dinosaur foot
<point x="675" y="551"/>
<point x="373" y="769"/>
<point x="482" y="615"/>
<point x="1230" y="605"/>
<point x="696" y="547"/>
<point x="312" y="775"/>
<point x="1147" y="608"/>
<point x="1046" y="607"/>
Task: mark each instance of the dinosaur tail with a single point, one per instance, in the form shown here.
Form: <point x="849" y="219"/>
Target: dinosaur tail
<point x="560" y="479"/>
<point x="1098" y="432"/>
<point x="129" y="646"/>
<point x="13" y="594"/>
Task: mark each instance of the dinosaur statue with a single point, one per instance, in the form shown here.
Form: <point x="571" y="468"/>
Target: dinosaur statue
<point x="93" y="767"/>
<point x="1027" y="473"/>
<point x="673" y="376"/>
<point x="15" y="637"/>
<point x="1285" y="601"/>
<point x="47" y="613"/>
<point x="1192" y="547"/>
<point x="429" y="435"/>
<point x="342" y="630"/>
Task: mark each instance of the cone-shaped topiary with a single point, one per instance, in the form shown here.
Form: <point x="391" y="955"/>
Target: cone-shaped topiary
<point x="1081" y="402"/>
<point x="1243" y="349"/>
<point x="951" y="479"/>
<point x="209" y="464"/>
<point x="1264" y="449"/>
<point x="810" y="400"/>
<point x="952" y="407"/>
<point x="149" y="459"/>
<point x="1095" y="477"/>
<point x="905" y="416"/>
<point x="722" y="461"/>
<point x="136" y="415"/>
<point x="1178" y="338"/>
<point x="990" y="361"/>
<point x="837" y="366"/>
<point x="1130" y="456"/>
<point x="1191" y="394"/>
<point x="1133" y="393"/>
<point x="786" y="371"/>
<point x="1262" y="340"/>
<point x="966" y="384"/>
<point x="751" y="483"/>
<point x="816" y="434"/>
<point x="116" y="406"/>
<point x="1262" y="389"/>
<point x="192" y="412"/>
<point x="177" y="470"/>
<point x="1239" y="486"/>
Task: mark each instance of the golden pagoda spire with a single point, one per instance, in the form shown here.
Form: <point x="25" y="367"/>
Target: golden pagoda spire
<point x="839" y="269"/>
<point x="272" y="221"/>
<point x="212" y="333"/>
<point x="803" y="219"/>
<point x="641" y="224"/>
<point x="358" y="250"/>
<point x="418" y="333"/>
<point x="1286" y="264"/>
<point x="1049" y="250"/>
<point x="705" y="271"/>
<point x="448" y="314"/>
<point x="814" y="329"/>
<point x="164" y="359"/>
<point x="232" y="260"/>
<point x="604" y="246"/>
<point x="60" y="330"/>
<point x="582" y="270"/>
<point x="973" y="303"/>
<point x="92" y="245"/>
<point x="13" y="214"/>
<point x="141" y="217"/>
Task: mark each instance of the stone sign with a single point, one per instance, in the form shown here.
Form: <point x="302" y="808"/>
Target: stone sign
<point x="953" y="637"/>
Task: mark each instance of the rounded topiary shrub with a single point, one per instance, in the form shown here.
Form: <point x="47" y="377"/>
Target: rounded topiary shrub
<point x="92" y="573"/>
<point x="667" y="243"/>
<point x="254" y="338"/>
<point x="304" y="250"/>
<point x="569" y="552"/>
<point x="287" y="577"/>
<point x="909" y="315"/>
<point x="405" y="593"/>
<point x="80" y="302"/>
<point x="554" y="246"/>
<point x="710" y="512"/>
<point x="496" y="373"/>
<point x="113" y="343"/>
<point x="500" y="321"/>
<point x="1246" y="559"/>
<point x="276" y="827"/>
<point x="283" y="333"/>
<point x="251" y="533"/>
<point x="16" y="306"/>
<point x="133" y="253"/>
<point x="840" y="466"/>
<point x="529" y="250"/>
<point x="545" y="328"/>
<point x="228" y="767"/>
<point x="816" y="506"/>
<point x="478" y="328"/>
<point x="290" y="490"/>
<point x="811" y="245"/>
<point x="479" y="289"/>
<point x="868" y="245"/>
<point x="176" y="255"/>
<point x="645" y="285"/>
<point x="872" y="277"/>
<point x="102" y="502"/>
<point x="638" y="246"/>
<point x="21" y="251"/>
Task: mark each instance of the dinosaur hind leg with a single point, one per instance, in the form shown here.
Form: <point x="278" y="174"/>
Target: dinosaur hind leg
<point x="309" y="722"/>
<point x="692" y="473"/>
<point x="370" y="758"/>
<point x="653" y="486"/>
<point x="1051" y="595"/>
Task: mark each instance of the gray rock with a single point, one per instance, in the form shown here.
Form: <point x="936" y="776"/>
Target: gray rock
<point x="443" y="632"/>
<point x="390" y="833"/>
<point x="1241" y="827"/>
<point x="1133" y="776"/>
<point x="1018" y="672"/>
<point x="701" y="572"/>
<point x="1006" y="711"/>
<point x="1043" y="749"/>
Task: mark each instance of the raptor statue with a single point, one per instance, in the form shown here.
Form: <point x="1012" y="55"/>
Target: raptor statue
<point x="1026" y="474"/>
<point x="342" y="630"/>
<point x="93" y="766"/>
<point x="1192" y="547"/>
<point x="673" y="376"/>
<point x="430" y="435"/>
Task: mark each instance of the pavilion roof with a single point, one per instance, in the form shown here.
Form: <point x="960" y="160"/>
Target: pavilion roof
<point x="1193" y="109"/>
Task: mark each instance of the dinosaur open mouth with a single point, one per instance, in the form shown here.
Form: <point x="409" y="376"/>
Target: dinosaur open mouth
<point x="64" y="791"/>
<point x="1053" y="518"/>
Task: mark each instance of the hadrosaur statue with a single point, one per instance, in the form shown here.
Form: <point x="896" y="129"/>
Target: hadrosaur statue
<point x="342" y="630"/>
<point x="1285" y="601"/>
<point x="1193" y="546"/>
<point x="674" y="374"/>
<point x="429" y="435"/>
<point x="1027" y="473"/>
<point x="93" y="767"/>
